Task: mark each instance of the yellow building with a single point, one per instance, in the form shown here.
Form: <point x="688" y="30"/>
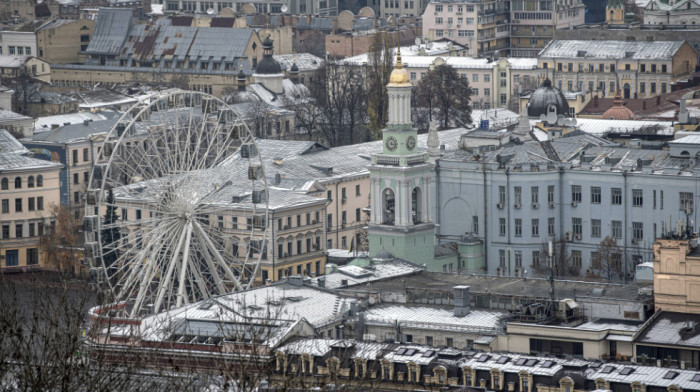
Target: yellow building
<point x="642" y="68"/>
<point x="60" y="41"/>
<point x="677" y="275"/>
<point x="29" y="188"/>
<point x="615" y="12"/>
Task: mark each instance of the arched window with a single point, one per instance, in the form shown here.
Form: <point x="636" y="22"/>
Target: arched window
<point x="416" y="202"/>
<point x="388" y="205"/>
<point x="440" y="375"/>
<point x="626" y="91"/>
<point x="18" y="182"/>
<point x="30" y="182"/>
<point x="5" y="184"/>
<point x="39" y="181"/>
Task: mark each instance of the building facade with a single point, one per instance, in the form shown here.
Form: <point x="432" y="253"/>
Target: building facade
<point x="29" y="189"/>
<point x="642" y="68"/>
<point x="677" y="275"/>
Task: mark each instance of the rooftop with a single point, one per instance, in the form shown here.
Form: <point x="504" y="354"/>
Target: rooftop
<point x="13" y="156"/>
<point x="608" y="49"/>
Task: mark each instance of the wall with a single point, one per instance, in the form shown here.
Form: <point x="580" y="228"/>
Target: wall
<point x="61" y="45"/>
<point x="676" y="276"/>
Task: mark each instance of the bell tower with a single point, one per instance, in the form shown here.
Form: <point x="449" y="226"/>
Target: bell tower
<point x="402" y="182"/>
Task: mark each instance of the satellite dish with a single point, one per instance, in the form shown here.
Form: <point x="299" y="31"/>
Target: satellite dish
<point x="561" y="121"/>
<point x="211" y="11"/>
<point x="284" y="8"/>
<point x="425" y="40"/>
<point x="543" y="117"/>
<point x="417" y="41"/>
<point x="551" y="118"/>
<point x="372" y="300"/>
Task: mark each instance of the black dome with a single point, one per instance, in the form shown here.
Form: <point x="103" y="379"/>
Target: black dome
<point x="546" y="99"/>
<point x="294" y="68"/>
<point x="268" y="65"/>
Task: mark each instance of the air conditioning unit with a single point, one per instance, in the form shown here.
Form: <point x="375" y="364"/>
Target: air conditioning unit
<point x="551" y="204"/>
<point x="634" y="240"/>
<point x="535" y="205"/>
<point x="286" y="255"/>
<point x="517" y="205"/>
<point x="435" y="13"/>
<point x="500" y="206"/>
<point x="286" y="227"/>
<point x="574" y="204"/>
<point x="500" y="271"/>
<point x="314" y="222"/>
<point x="578" y="237"/>
<point x="342" y="226"/>
<point x="518" y="272"/>
<point x="344" y="200"/>
<point x="569" y="236"/>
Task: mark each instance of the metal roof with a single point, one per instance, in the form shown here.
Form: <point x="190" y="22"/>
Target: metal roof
<point x="43" y="124"/>
<point x="12" y="155"/>
<point x="488" y="322"/>
<point x="609" y="49"/>
<point x="111" y="31"/>
<point x="74" y="132"/>
<point x="305" y="61"/>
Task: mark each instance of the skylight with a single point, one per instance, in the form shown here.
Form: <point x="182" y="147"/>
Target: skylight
<point x="548" y="364"/>
<point x="410" y="351"/>
<point x="483" y="358"/>
<point x="531" y="362"/>
<point x="429" y="353"/>
<point x="503" y="360"/>
<point x="608" y="369"/>
<point x="696" y="378"/>
<point x="670" y="375"/>
<point x="521" y="361"/>
<point x="626" y="371"/>
<point x="401" y="351"/>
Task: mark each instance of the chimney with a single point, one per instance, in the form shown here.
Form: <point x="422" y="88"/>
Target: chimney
<point x="644" y="104"/>
<point x="461" y="300"/>
<point x="322" y="282"/>
<point x="595" y="100"/>
<point x="658" y="100"/>
<point x="683" y="113"/>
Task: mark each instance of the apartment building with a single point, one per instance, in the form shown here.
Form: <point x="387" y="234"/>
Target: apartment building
<point x="516" y="28"/>
<point x="642" y="68"/>
<point x="29" y="187"/>
<point x="311" y="7"/>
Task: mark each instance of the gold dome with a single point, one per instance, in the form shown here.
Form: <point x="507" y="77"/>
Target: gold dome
<point x="399" y="75"/>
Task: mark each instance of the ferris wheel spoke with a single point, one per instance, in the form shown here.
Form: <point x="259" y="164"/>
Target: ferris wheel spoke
<point x="228" y="272"/>
<point x="169" y="273"/>
<point x="213" y="270"/>
<point x="181" y="295"/>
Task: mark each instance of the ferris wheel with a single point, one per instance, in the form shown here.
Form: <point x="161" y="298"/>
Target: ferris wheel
<point x="170" y="218"/>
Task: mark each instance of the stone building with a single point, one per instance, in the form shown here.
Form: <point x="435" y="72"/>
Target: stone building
<point x="678" y="13"/>
<point x="643" y="69"/>
<point x="29" y="188"/>
<point x="677" y="274"/>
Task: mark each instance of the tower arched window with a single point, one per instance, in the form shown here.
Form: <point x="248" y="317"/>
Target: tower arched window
<point x="388" y="207"/>
<point x="18" y="182"/>
<point x="416" y="202"/>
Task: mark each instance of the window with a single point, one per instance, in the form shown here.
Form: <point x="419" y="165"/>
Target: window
<point x="40" y="203"/>
<point x="438" y="21"/>
<point x="31" y="204"/>
<point x="76" y="197"/>
<point x="517" y="193"/>
<point x="487" y="92"/>
<point x="501" y="194"/>
<point x="637" y="198"/>
<point x="612" y="87"/>
<point x="475" y="91"/>
<point x="344" y="217"/>
<point x="357" y="190"/>
<point x="576" y="226"/>
<point x="576" y="193"/>
<point x="616" y="194"/>
<point x="18" y="205"/>
<point x="535" y="227"/>
<point x="438" y="8"/>
<point x="550" y="226"/>
<point x="5" y="184"/>
<point x="642" y="88"/>
<point x="85" y="155"/>
<point x="32" y="256"/>
<point x="429" y="340"/>
<point x="501" y="258"/>
<point x="661" y="199"/>
<point x="576" y="258"/>
<point x="616" y="229"/>
<point x="595" y="195"/>
<point x="5" y="232"/>
<point x="595" y="228"/>
<point x="637" y="230"/>
<point x="518" y="227"/>
<point x="18" y="230"/>
<point x="475" y="77"/>
<point x="518" y="258"/>
<point x="652" y="87"/>
<point x="357" y="215"/>
<point x="5" y="206"/>
<point x="329" y="220"/>
<point x="76" y="178"/>
<point x="475" y="224"/>
<point x="550" y="193"/>
<point x="663" y="68"/>
<point x="18" y="182"/>
<point x="12" y="50"/>
<point x="502" y="227"/>
<point x="329" y="195"/>
<point x="30" y="182"/>
<point x="686" y="201"/>
<point x="534" y="194"/>
<point x="39" y="181"/>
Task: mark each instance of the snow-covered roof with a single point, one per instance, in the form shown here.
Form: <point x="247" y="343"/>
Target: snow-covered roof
<point x="8" y="116"/>
<point x="611" y="49"/>
<point x="321" y="347"/>
<point x="13" y="155"/>
<point x="416" y="61"/>
<point x="351" y="275"/>
<point x="305" y="61"/>
<point x="11" y="61"/>
<point x="690" y="139"/>
<point x="481" y="322"/>
<point x="43" y="124"/>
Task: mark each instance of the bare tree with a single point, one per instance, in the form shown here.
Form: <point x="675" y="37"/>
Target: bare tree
<point x="381" y="63"/>
<point x="61" y="240"/>
<point x="342" y="98"/>
<point x="560" y="260"/>
<point x="607" y="261"/>
<point x="446" y="95"/>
